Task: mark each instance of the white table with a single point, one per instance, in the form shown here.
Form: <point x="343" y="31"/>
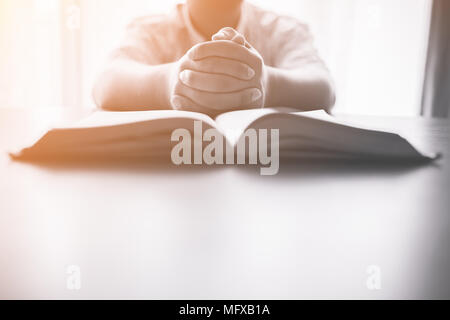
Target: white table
<point x="150" y="232"/>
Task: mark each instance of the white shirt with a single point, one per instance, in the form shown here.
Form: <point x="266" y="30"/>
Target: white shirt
<point x="282" y="41"/>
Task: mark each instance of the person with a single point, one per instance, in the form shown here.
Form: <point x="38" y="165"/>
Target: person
<point x="212" y="57"/>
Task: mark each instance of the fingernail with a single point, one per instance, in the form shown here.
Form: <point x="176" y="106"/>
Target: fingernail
<point x="250" y="73"/>
<point x="220" y="34"/>
<point x="256" y="94"/>
<point x="227" y="31"/>
<point x="184" y="76"/>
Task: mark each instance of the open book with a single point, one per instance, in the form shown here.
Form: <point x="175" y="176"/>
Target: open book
<point x="148" y="134"/>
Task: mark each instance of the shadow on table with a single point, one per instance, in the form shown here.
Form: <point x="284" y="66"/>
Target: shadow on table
<point x="295" y="168"/>
<point x="288" y="168"/>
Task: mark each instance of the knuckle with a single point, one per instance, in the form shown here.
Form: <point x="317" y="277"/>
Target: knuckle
<point x="177" y="89"/>
<point x="207" y="65"/>
<point x="189" y="77"/>
<point x="259" y="62"/>
<point x="195" y="95"/>
<point x="249" y="96"/>
<point x="244" y="97"/>
<point x="192" y="52"/>
<point x="238" y="38"/>
<point x="244" y="71"/>
<point x="184" y="62"/>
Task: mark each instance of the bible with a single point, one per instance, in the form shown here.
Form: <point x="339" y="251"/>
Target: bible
<point x="150" y="134"/>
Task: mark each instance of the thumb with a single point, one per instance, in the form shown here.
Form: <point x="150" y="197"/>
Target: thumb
<point x="230" y="34"/>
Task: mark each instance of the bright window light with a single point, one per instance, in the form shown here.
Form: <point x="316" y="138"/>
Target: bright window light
<point x="375" y="49"/>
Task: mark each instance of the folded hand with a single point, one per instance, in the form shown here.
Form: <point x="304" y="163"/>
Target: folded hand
<point x="218" y="76"/>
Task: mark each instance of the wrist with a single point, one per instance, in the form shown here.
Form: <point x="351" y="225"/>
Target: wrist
<point x="271" y="83"/>
<point x="159" y="82"/>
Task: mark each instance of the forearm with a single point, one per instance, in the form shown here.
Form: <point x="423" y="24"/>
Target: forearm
<point x="129" y="85"/>
<point x="307" y="88"/>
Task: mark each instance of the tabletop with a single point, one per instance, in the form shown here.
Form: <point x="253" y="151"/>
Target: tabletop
<point x="139" y="231"/>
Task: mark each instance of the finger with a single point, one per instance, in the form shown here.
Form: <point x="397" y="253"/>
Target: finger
<point x="229" y="34"/>
<point x="223" y="66"/>
<point x="220" y="36"/>
<point x="239" y="39"/>
<point x="186" y="104"/>
<point x="212" y="82"/>
<point x="224" y="49"/>
<point x="217" y="37"/>
<point x="226" y="33"/>
<point x="220" y="101"/>
<point x="180" y="102"/>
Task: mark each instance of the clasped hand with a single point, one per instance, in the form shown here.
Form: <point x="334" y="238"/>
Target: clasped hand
<point x="220" y="75"/>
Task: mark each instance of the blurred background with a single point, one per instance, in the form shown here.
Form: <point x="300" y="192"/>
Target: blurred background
<point x="51" y="50"/>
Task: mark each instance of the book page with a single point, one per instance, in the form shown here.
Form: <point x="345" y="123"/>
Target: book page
<point x="114" y="118"/>
<point x="233" y="124"/>
<point x="104" y="128"/>
<point x="320" y="131"/>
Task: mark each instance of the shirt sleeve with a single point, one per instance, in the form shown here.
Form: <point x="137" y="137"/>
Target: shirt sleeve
<point x="296" y="45"/>
<point x="140" y="43"/>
